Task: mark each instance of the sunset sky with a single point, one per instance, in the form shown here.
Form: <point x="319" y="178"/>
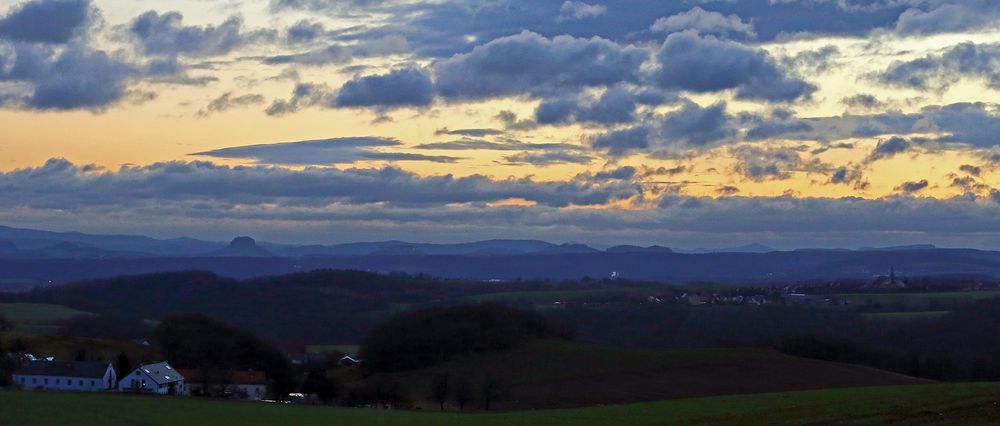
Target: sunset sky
<point x="698" y="123"/>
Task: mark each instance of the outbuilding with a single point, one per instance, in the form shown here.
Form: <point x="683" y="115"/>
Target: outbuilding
<point x="75" y="376"/>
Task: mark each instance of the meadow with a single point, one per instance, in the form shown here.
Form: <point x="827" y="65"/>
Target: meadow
<point x="906" y="302"/>
<point x="32" y="318"/>
<point x="947" y="404"/>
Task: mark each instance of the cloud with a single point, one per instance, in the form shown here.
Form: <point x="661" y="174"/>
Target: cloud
<point x="889" y="148"/>
<point x="913" y="186"/>
<point x="704" y="22"/>
<point x="691" y="126"/>
<point x="623" y="141"/>
<point x="948" y="16"/>
<point x="578" y="10"/>
<point x="342" y="53"/>
<point x="615" y="106"/>
<point x="699" y="64"/>
<point x="468" y="132"/>
<point x="399" y="87"/>
<point x="46" y="21"/>
<point x="814" y="61"/>
<point x="939" y="71"/>
<point x="333" y="54"/>
<point x="75" y="77"/>
<point x="443" y="28"/>
<point x="863" y="101"/>
<point x="761" y="164"/>
<point x="185" y="198"/>
<point x="323" y="152"/>
<point x="304" y="95"/>
<point x="227" y="101"/>
<point x="304" y="31"/>
<point x="166" y="34"/>
<point x="697" y="126"/>
<point x="530" y="64"/>
<point x="975" y="124"/>
<point x="970" y="169"/>
<point x="505" y="144"/>
<point x="548" y="158"/>
<point x="68" y="186"/>
<point x="848" y="175"/>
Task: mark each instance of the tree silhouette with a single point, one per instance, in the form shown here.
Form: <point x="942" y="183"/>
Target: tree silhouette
<point x="440" y="389"/>
<point x="463" y="392"/>
<point x="123" y="365"/>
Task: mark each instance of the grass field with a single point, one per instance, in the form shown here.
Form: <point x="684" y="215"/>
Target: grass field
<point x="559" y="374"/>
<point x="946" y="404"/>
<point x="904" y="302"/>
<point x="906" y="315"/>
<point x="556" y="295"/>
<point x="34" y="318"/>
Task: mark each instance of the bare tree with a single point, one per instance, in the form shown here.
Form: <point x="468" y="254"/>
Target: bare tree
<point x="440" y="388"/>
<point x="494" y="389"/>
<point x="463" y="392"/>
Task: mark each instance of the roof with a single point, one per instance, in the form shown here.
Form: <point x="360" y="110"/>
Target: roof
<point x="89" y="370"/>
<point x="232" y="377"/>
<point x="161" y="373"/>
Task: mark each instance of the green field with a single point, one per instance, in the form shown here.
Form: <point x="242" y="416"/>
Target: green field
<point x="560" y="374"/>
<point x="33" y="318"/>
<point x="906" y="315"/>
<point x="556" y="295"/>
<point x="905" y="302"/>
<point x="948" y="404"/>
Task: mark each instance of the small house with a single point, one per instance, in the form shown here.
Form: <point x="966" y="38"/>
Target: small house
<point x="159" y="378"/>
<point x="74" y="376"/>
<point x="348" y="360"/>
<point x="250" y="385"/>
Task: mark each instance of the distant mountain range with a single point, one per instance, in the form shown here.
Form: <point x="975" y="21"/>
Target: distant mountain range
<point x="29" y="243"/>
<point x="29" y="258"/>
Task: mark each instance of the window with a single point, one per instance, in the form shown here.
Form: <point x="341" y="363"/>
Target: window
<point x="34" y="380"/>
<point x="46" y="380"/>
<point x="93" y="383"/>
<point x="57" y="381"/>
<point x="81" y="382"/>
<point x="22" y="380"/>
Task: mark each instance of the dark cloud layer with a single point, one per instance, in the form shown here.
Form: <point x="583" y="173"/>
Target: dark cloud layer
<point x="203" y="197"/>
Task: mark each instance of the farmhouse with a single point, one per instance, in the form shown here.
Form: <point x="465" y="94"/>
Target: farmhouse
<point x="65" y="376"/>
<point x="159" y="378"/>
<point x="251" y="385"/>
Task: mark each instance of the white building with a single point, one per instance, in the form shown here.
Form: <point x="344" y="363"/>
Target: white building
<point x="249" y="385"/>
<point x="159" y="378"/>
<point x="65" y="376"/>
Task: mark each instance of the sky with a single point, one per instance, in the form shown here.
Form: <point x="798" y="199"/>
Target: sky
<point x="697" y="123"/>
